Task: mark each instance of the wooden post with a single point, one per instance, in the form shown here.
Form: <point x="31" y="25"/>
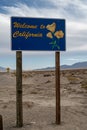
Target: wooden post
<point x="1" y="123"/>
<point x="19" y="108"/>
<point x="57" y="58"/>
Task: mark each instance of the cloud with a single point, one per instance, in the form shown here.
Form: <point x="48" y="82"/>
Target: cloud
<point x="23" y="10"/>
<point x="73" y="59"/>
<point x="4" y="31"/>
<point x="71" y="9"/>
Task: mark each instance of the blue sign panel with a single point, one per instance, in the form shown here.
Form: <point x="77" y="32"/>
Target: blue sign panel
<point x="37" y="34"/>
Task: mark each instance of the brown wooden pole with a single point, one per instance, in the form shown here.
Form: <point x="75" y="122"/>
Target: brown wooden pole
<point x="57" y="57"/>
<point x="19" y="108"/>
<point x="1" y="123"/>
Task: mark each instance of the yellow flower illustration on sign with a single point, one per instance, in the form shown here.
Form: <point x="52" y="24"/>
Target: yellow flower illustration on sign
<point x="59" y="34"/>
<point x="49" y="34"/>
<point x="51" y="27"/>
<point x="53" y="34"/>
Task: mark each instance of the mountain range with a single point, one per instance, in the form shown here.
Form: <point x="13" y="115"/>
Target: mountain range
<point x="78" y="65"/>
<point x="2" y="69"/>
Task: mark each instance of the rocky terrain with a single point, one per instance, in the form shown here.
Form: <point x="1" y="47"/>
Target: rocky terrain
<point x="39" y="100"/>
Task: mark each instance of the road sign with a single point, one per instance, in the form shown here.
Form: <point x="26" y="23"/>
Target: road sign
<point x="37" y="34"/>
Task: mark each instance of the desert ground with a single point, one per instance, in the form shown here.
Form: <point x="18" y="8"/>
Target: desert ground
<point x="39" y="100"/>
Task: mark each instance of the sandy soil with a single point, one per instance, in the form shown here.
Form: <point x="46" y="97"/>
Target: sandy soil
<point x="39" y="100"/>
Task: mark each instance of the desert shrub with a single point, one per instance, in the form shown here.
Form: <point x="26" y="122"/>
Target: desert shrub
<point x="47" y="75"/>
<point x="84" y="84"/>
<point x="48" y="81"/>
<point x="8" y="69"/>
<point x="73" y="79"/>
<point x="34" y="92"/>
<point x="28" y="104"/>
<point x="14" y="73"/>
<point x="70" y="78"/>
<point x="25" y="75"/>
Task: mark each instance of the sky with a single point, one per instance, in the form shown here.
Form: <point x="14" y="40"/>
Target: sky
<point x="75" y="14"/>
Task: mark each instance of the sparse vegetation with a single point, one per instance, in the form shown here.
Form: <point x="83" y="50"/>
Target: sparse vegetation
<point x="34" y="92"/>
<point x="39" y="99"/>
<point x="28" y="104"/>
<point x="48" y="81"/>
<point x="84" y="84"/>
<point x="47" y="75"/>
<point x="72" y="79"/>
<point x="8" y="69"/>
<point x="14" y="73"/>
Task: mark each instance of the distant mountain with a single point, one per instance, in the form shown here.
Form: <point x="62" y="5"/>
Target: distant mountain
<point x="48" y="68"/>
<point x="2" y="69"/>
<point x="79" y="65"/>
